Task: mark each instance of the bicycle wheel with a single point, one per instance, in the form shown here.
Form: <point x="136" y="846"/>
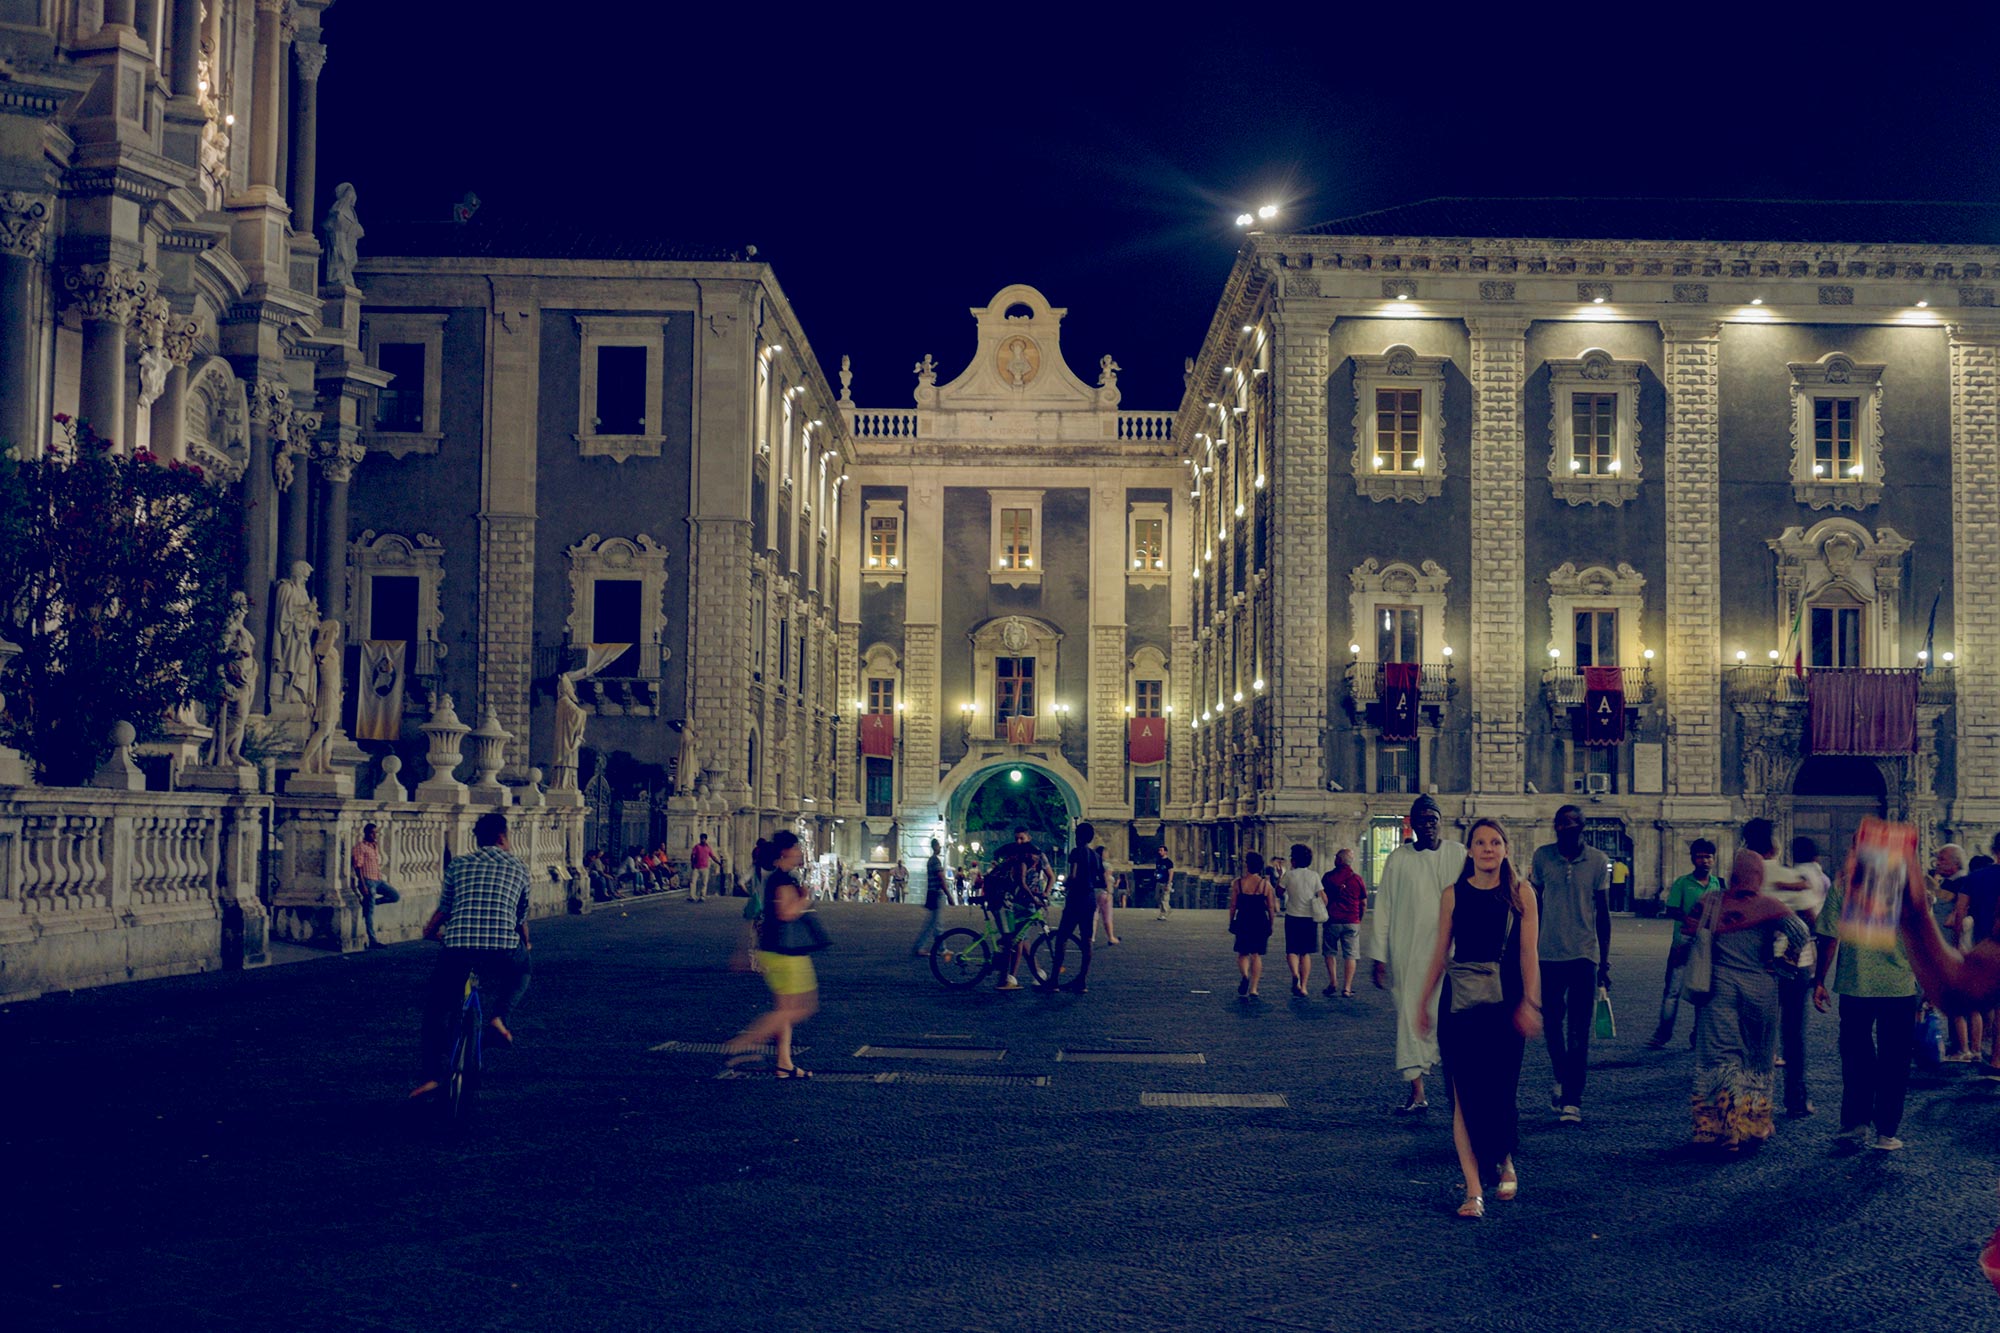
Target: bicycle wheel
<point x="461" y="1079"/>
<point x="961" y="956"/>
<point x="1043" y="959"/>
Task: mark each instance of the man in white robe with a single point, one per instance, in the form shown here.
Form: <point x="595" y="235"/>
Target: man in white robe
<point x="1402" y="933"/>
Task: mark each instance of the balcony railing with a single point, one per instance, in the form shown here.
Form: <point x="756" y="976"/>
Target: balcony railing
<point x="1781" y="685"/>
<point x="1562" y="686"/>
<point x="1146" y="426"/>
<point x="629" y="686"/>
<point x="1435" y="684"/>
<point x="871" y="424"/>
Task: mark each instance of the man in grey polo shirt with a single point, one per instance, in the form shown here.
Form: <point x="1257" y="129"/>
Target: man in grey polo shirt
<point x="1573" y="891"/>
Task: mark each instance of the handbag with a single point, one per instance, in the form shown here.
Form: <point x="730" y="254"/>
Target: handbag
<point x="1319" y="908"/>
<point x="803" y="934"/>
<point x="1474" y="984"/>
<point x="1604" y="1023"/>
<point x="1698" y="981"/>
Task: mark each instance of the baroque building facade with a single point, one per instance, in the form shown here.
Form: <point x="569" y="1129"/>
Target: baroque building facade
<point x="1505" y="469"/>
<point x="618" y="462"/>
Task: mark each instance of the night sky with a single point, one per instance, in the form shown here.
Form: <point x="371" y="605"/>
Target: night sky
<point x="899" y="170"/>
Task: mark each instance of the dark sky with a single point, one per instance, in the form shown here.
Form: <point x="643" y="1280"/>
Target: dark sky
<point x="901" y="168"/>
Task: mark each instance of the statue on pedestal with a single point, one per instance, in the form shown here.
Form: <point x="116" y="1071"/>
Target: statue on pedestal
<point x="342" y="232"/>
<point x="296" y="614"/>
<point x="318" y="757"/>
<point x="238" y="669"/>
<point x="570" y="718"/>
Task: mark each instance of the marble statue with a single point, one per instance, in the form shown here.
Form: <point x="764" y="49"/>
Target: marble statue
<point x="342" y="232"/>
<point x="318" y="757"/>
<point x="570" y="718"/>
<point x="1107" y="372"/>
<point x="927" y="372"/>
<point x="154" y="365"/>
<point x="238" y="669"/>
<point x="296" y="615"/>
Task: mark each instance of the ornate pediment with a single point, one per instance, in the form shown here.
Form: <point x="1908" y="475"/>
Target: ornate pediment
<point x="1018" y="362"/>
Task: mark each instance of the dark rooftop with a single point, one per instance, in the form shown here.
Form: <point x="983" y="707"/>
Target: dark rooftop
<point x="500" y="238"/>
<point x="1707" y="220"/>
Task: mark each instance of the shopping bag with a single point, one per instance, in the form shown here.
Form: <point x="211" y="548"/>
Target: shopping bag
<point x="1604" y="1022"/>
<point x="1929" y="1042"/>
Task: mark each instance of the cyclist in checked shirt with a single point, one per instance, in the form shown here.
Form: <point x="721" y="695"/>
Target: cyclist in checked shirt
<point x="482" y="921"/>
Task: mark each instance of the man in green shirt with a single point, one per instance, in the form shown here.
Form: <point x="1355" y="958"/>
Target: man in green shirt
<point x="1878" y="1013"/>
<point x="1679" y="904"/>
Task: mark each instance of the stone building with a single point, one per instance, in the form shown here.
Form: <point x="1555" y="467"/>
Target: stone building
<point x="615" y="460"/>
<point x="1452" y="461"/>
<point x="1015" y="596"/>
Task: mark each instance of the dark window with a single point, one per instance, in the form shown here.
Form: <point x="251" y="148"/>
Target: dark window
<point x="1836" y="636"/>
<point x="392" y="607"/>
<point x="621" y="391"/>
<point x="784" y="650"/>
<point x="614" y="618"/>
<point x="1013" y="687"/>
<point x="1396" y="769"/>
<point x="760" y="522"/>
<point x="1148" y="698"/>
<point x="400" y="407"/>
<point x="1399" y="637"/>
<point x="881" y="787"/>
<point x="1596" y="638"/>
<point x="1145" y="798"/>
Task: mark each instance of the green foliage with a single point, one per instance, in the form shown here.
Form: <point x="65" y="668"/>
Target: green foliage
<point x="1001" y="805"/>
<point x="115" y="576"/>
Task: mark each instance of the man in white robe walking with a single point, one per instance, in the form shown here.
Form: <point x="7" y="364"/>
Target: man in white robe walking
<point x="1403" y="933"/>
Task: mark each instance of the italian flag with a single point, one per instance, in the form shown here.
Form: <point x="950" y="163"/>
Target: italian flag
<point x="1797" y="644"/>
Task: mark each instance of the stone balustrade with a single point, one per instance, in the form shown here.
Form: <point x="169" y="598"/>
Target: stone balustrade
<point x="869" y="424"/>
<point x="98" y="886"/>
<point x="1146" y="426"/>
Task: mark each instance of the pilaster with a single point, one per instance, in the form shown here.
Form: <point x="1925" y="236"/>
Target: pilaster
<point x="507" y="618"/>
<point x="1975" y="607"/>
<point x="1299" y="480"/>
<point x="1694" y="566"/>
<point x="1104" y="704"/>
<point x="1498" y="586"/>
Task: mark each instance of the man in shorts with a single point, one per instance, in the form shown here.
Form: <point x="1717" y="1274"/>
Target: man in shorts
<point x="1346" y="900"/>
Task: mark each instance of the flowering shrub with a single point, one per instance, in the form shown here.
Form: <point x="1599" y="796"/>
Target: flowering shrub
<point x="115" y="576"/>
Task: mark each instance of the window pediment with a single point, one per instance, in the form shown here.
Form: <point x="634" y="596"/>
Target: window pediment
<point x="1838" y="561"/>
<point x="1836" y="432"/>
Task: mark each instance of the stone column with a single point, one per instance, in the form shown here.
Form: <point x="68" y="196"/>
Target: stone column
<point x="1179" y="789"/>
<point x="266" y="84"/>
<point x="105" y="295"/>
<point x="294" y="500"/>
<point x="1298" y="605"/>
<point x="1694" y="565"/>
<point x="1499" y="500"/>
<point x="1104" y="705"/>
<point x="1975" y="578"/>
<point x="310" y="56"/>
<point x="337" y="460"/>
<point x="170" y="408"/>
<point x="23" y="219"/>
<point x="187" y="48"/>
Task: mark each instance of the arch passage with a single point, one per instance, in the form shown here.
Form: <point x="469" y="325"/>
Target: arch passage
<point x="991" y="802"/>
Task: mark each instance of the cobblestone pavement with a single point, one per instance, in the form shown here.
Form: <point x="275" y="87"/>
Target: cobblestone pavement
<point x="232" y="1152"/>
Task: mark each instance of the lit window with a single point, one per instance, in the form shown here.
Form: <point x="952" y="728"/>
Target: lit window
<point x="1835" y="457"/>
<point x="1017" y="539"/>
<point x="884" y="538"/>
<point x="1149" y="544"/>
<point x="1594" y="455"/>
<point x="1399" y="433"/>
<point x="1594" y="434"/>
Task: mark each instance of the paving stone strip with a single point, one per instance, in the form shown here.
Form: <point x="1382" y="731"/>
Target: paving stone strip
<point x="713" y="1048"/>
<point x="1188" y="1099"/>
<point x="931" y="1053"/>
<point x="1097" y="1055"/>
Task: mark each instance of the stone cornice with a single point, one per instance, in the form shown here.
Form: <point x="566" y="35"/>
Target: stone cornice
<point x="1759" y="259"/>
<point x="1241" y="293"/>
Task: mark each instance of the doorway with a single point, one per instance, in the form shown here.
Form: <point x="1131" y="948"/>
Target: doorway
<point x="1829" y="798"/>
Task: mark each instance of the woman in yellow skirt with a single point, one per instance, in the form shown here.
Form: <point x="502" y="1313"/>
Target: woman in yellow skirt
<point x="794" y="985"/>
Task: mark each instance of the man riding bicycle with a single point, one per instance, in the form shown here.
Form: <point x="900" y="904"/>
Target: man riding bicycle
<point x="482" y="921"/>
<point x="1018" y="884"/>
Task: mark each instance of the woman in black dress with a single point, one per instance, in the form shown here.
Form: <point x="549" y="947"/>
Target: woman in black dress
<point x="1492" y="1003"/>
<point x="1253" y="908"/>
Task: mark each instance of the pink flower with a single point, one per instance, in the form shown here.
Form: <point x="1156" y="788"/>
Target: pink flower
<point x="62" y="418"/>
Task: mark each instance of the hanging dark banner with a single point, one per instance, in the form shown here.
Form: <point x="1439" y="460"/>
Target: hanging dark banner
<point x="1146" y="740"/>
<point x="1603" y="707"/>
<point x="1399" y="700"/>
<point x="878" y="735"/>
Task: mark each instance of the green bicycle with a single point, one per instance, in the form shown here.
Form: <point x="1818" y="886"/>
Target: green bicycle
<point x="961" y="957"/>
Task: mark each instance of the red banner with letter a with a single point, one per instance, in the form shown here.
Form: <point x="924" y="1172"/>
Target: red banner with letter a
<point x="1603" y="707"/>
<point x="878" y="735"/>
<point x="1400" y="683"/>
<point x="1146" y="740"/>
<point x="1021" y="730"/>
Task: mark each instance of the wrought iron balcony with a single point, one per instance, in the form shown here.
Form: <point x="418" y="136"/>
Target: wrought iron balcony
<point x="1780" y="684"/>
<point x="1435" y="684"/>
<point x="631" y="685"/>
<point x="1562" y="686"/>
